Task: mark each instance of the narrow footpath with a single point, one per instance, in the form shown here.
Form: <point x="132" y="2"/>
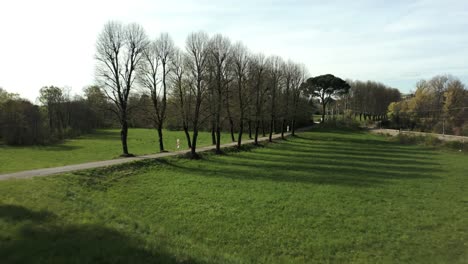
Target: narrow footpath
<point x="395" y="132"/>
<point x="105" y="163"/>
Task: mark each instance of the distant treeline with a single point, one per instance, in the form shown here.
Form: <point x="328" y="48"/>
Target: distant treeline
<point x="438" y="105"/>
<point x="58" y="117"/>
<point x="365" y="100"/>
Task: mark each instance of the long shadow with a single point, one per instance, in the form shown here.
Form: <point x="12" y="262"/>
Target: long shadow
<point x="60" y="147"/>
<point x="363" y="154"/>
<point x="293" y="172"/>
<point x="333" y="166"/>
<point x="15" y="213"/>
<point x="333" y="160"/>
<point x="293" y="162"/>
<point x="44" y="241"/>
<point x="370" y="149"/>
<point x="358" y="143"/>
<point x="355" y="157"/>
<point x="362" y="141"/>
<point x="102" y="135"/>
<point x="311" y="150"/>
<point x="264" y="173"/>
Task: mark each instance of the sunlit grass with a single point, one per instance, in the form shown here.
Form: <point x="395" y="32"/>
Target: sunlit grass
<point x="330" y="196"/>
<point x="101" y="145"/>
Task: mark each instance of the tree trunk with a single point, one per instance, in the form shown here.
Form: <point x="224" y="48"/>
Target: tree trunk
<point x="218" y="140"/>
<point x="282" y="128"/>
<point x="160" y="136"/>
<point x="293" y="127"/>
<point x="272" y="127"/>
<point x="231" y="124"/>
<point x="187" y="135"/>
<point x="323" y="112"/>
<point x="263" y="128"/>
<point x="193" y="153"/>
<point x="241" y="130"/>
<point x="250" y="128"/>
<point x="213" y="135"/>
<point x="257" y="127"/>
<point x="123" y="136"/>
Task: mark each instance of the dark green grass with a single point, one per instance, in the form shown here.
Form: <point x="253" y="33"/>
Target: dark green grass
<point x="330" y="196"/>
<point x="101" y="145"/>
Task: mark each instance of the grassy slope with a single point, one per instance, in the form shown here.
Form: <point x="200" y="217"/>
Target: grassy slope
<point x="323" y="197"/>
<point x="102" y="145"/>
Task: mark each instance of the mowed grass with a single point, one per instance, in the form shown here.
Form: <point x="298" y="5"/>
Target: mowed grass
<point x="322" y="197"/>
<point x="102" y="145"/>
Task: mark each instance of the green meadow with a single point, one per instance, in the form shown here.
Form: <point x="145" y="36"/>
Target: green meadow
<point x="321" y="197"/>
<point x="104" y="144"/>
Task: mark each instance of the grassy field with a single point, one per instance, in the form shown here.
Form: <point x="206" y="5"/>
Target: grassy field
<point x="101" y="145"/>
<point x="325" y="196"/>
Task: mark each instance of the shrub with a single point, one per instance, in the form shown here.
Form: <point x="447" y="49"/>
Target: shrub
<point x="411" y="139"/>
<point x="464" y="130"/>
<point x="341" y="123"/>
<point x="457" y="145"/>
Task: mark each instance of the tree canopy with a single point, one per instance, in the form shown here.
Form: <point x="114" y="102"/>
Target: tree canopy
<point x="325" y="88"/>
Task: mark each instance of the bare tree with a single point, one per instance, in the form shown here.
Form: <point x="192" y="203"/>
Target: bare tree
<point x="275" y="66"/>
<point x="297" y="81"/>
<point x="196" y="62"/>
<point x="258" y="67"/>
<point x="219" y="50"/>
<point x="181" y="89"/>
<point x="119" y="51"/>
<point x="288" y="72"/>
<point x="240" y="60"/>
<point x="158" y="53"/>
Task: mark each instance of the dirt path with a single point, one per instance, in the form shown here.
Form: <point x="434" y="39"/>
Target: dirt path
<point x="395" y="132"/>
<point x="105" y="163"/>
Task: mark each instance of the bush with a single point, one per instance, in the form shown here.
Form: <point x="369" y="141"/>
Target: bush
<point x="21" y="123"/>
<point x="442" y="127"/>
<point x="409" y="139"/>
<point x="430" y="141"/>
<point x="457" y="145"/>
<point x="341" y="123"/>
<point x="464" y="130"/>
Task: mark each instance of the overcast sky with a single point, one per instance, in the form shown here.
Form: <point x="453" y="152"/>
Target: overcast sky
<point x="395" y="42"/>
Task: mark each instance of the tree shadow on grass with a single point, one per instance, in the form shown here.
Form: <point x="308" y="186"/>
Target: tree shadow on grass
<point x="365" y="142"/>
<point x="102" y="135"/>
<point x="255" y="168"/>
<point x="255" y="172"/>
<point x="388" y="154"/>
<point x="293" y="162"/>
<point x="375" y="148"/>
<point x="47" y="241"/>
<point x="379" y="165"/>
<point x="60" y="147"/>
<point x="14" y="213"/>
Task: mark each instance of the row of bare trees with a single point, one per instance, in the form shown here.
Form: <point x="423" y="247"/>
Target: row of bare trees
<point x="365" y="100"/>
<point x="371" y="99"/>
<point x="211" y="81"/>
